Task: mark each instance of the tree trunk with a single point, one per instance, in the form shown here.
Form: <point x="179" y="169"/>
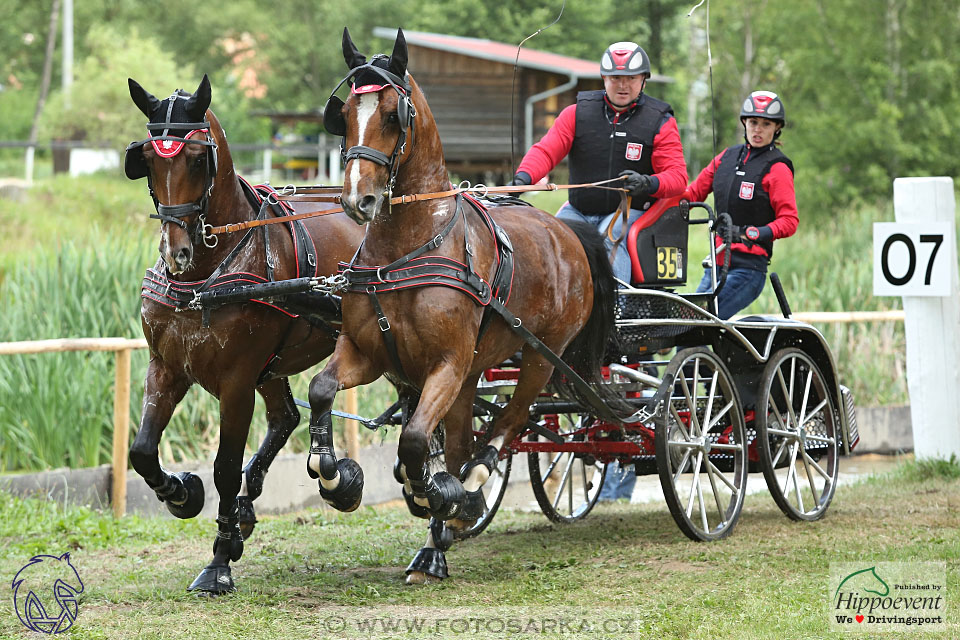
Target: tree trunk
<point x="47" y="69"/>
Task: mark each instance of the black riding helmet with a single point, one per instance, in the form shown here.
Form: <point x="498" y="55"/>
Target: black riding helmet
<point x="624" y="59"/>
<point x="763" y="104"/>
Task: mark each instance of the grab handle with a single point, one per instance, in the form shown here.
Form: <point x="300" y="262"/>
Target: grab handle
<point x="781" y="296"/>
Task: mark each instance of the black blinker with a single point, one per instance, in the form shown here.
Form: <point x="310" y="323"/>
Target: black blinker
<point x="333" y="120"/>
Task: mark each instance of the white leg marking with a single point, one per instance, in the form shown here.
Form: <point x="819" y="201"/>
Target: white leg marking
<point x="330" y="485"/>
<point x="243" y="486"/>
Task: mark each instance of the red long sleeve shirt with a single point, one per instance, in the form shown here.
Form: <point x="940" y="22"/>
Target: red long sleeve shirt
<point x="778" y="183"/>
<point x="667" y="157"/>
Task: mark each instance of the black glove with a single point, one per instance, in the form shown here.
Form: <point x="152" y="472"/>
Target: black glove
<point x="638" y="184"/>
<point x="519" y="180"/>
<point x="750" y="235"/>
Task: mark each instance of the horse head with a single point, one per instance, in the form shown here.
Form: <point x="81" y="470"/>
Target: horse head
<point x="381" y="119"/>
<point x="179" y="160"/>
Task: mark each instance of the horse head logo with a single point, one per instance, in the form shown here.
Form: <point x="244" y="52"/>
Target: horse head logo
<point x="865" y="580"/>
<point x="45" y="593"/>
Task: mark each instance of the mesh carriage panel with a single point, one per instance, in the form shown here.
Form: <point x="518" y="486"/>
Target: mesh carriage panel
<point x="643" y="338"/>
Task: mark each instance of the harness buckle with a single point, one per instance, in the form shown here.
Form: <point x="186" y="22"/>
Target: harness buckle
<point x="437" y="241"/>
<point x="210" y="240"/>
<point x="384" y="324"/>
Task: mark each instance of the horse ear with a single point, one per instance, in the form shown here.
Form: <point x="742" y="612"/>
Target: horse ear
<point x="146" y="102"/>
<point x="351" y="55"/>
<point x="398" y="59"/>
<point x="197" y="105"/>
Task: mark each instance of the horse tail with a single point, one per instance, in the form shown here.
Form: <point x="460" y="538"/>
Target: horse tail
<point x="586" y="352"/>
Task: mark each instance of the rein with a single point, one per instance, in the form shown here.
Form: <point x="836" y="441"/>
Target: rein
<point x="315" y="194"/>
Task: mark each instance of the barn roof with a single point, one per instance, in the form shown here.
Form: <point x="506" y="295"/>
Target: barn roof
<point x="503" y="52"/>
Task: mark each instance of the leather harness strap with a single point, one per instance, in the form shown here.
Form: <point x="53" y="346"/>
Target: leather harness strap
<point x="317" y="194"/>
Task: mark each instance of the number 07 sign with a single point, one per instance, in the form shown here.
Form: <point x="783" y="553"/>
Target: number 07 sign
<point x="912" y="259"/>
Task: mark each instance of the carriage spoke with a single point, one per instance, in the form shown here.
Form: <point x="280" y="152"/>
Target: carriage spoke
<point x="676" y="416"/>
<point x="796" y="476"/>
<point x="807" y="416"/>
<point x="719" y="416"/>
<point x="780" y="450"/>
<point x="563" y="482"/>
<point x="791" y="467"/>
<point x="551" y="467"/>
<point x="695" y="482"/>
<point x="781" y="432"/>
<point x="788" y="395"/>
<point x="821" y="439"/>
<point x="586" y="491"/>
<point x="709" y="410"/>
<point x="713" y="486"/>
<point x="813" y="485"/>
<point x="703" y="506"/>
<point x="722" y="477"/>
<point x="806" y="396"/>
<point x="691" y="403"/>
<point x="683" y="463"/>
<point x="726" y="447"/>
<point x="826" y="476"/>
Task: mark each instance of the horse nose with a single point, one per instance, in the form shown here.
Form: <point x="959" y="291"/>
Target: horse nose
<point x="368" y="205"/>
<point x="183" y="258"/>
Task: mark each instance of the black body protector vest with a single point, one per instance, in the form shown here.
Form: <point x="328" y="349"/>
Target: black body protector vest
<point x="604" y="145"/>
<point x="738" y="188"/>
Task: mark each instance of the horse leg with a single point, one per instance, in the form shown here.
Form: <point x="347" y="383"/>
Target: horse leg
<point x="182" y="492"/>
<point x="441" y="495"/>
<point x="429" y="564"/>
<point x="236" y="410"/>
<point x="282" y="419"/>
<point x="535" y="372"/>
<point x="340" y="481"/>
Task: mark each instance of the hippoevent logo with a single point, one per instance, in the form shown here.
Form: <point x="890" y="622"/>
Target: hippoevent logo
<point x="45" y="593"/>
<point x="888" y="596"/>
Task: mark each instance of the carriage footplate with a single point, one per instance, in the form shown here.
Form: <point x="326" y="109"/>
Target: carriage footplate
<point x="431" y="560"/>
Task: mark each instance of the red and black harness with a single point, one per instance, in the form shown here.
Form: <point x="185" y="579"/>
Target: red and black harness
<point x="419" y="270"/>
<point x="224" y="286"/>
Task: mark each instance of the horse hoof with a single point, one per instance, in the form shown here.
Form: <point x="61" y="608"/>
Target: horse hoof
<point x="348" y="494"/>
<point x="190" y="507"/>
<point x="248" y="517"/>
<point x="418" y="577"/>
<point x="429" y="561"/>
<point x="214" y="580"/>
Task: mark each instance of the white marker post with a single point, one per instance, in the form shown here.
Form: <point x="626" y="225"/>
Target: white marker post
<point x="916" y="258"/>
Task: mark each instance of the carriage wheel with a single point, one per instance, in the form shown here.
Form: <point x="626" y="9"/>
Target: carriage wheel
<point x="797" y="439"/>
<point x="701" y="445"/>
<point x="493" y="489"/>
<point x="566" y="485"/>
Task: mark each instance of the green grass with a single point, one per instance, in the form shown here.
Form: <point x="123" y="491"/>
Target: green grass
<point x="302" y="572"/>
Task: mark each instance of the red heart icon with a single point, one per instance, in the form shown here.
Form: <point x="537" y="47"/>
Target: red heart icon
<point x="859" y="618"/>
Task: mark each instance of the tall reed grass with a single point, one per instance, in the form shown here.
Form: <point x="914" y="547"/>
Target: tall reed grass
<point x="55" y="408"/>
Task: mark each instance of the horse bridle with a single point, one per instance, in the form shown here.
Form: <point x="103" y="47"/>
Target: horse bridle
<point x="176" y="212"/>
<point x="334" y="123"/>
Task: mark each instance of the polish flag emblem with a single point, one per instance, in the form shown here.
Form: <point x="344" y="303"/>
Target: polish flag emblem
<point x="746" y="191"/>
<point x="634" y="150"/>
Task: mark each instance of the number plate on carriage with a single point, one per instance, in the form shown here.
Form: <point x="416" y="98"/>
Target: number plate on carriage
<point x="669" y="263"/>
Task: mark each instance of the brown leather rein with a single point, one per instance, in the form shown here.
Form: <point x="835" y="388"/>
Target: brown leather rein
<point x="331" y="194"/>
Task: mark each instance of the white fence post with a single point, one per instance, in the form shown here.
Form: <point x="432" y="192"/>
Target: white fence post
<point x="932" y="327"/>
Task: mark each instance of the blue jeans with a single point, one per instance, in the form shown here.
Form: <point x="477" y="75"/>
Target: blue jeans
<point x="621" y="262"/>
<point x="743" y="286"/>
<point x="618" y="483"/>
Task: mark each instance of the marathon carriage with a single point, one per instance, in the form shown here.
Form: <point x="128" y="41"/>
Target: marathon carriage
<point x="718" y="399"/>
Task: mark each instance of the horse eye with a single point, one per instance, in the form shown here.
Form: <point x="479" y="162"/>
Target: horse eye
<point x="393" y="118"/>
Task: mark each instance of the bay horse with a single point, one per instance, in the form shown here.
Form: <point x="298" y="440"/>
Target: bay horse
<point x="237" y="348"/>
<point x="432" y="340"/>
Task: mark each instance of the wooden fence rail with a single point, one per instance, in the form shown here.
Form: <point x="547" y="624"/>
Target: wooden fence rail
<point x="123" y="347"/>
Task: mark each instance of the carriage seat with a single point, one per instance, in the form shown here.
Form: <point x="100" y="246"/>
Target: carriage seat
<point x="657" y="244"/>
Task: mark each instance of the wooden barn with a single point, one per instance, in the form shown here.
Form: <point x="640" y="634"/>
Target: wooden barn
<point x="469" y="83"/>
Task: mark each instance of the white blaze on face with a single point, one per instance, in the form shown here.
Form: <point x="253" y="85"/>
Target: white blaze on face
<point x="365" y="110"/>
